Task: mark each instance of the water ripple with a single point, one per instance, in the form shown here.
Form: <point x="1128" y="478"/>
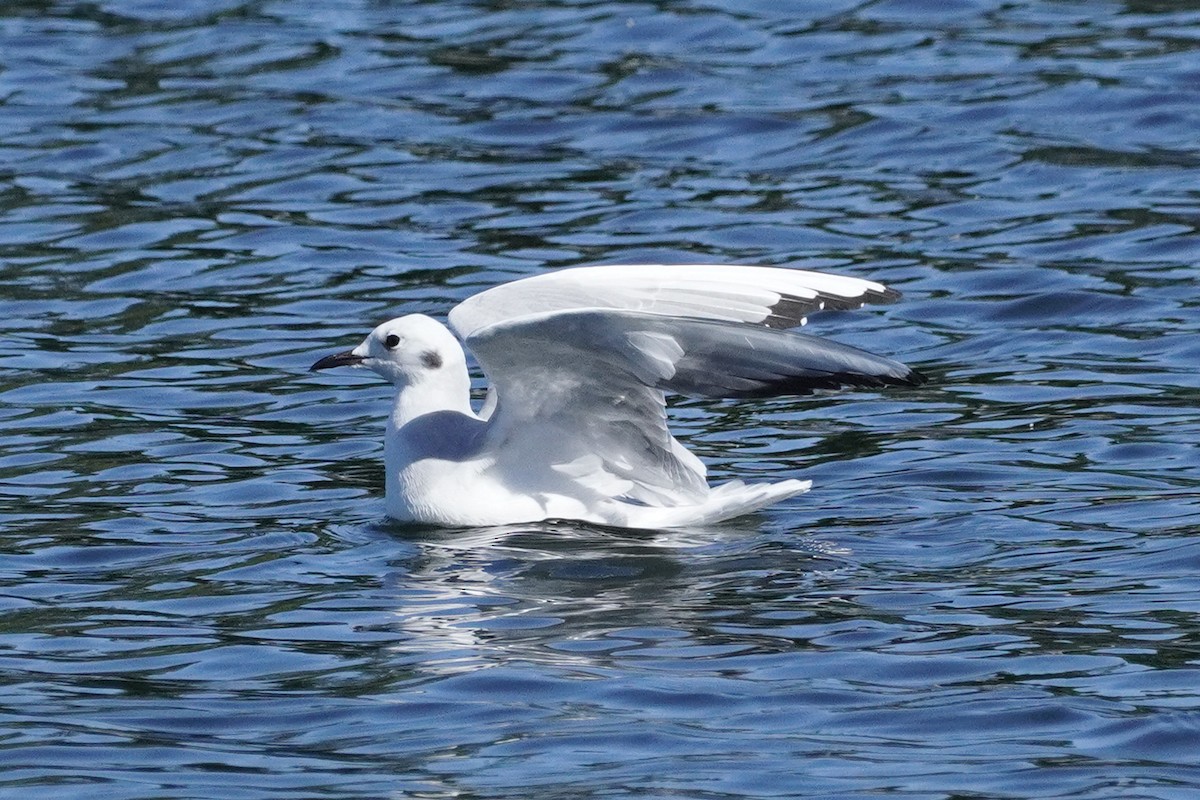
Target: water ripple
<point x="990" y="591"/>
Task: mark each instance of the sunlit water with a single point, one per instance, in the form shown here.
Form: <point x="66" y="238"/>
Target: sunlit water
<point x="992" y="590"/>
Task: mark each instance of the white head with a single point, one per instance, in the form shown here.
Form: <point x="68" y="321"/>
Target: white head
<point x="406" y="351"/>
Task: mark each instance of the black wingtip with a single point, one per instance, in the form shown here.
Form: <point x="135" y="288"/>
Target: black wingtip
<point x="791" y="311"/>
<point x="888" y="295"/>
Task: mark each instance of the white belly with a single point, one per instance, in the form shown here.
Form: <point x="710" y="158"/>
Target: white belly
<point x="463" y="493"/>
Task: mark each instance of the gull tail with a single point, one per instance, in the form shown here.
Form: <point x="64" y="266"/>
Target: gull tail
<point x="724" y="502"/>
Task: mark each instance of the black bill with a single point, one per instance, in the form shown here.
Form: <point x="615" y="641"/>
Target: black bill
<point x="346" y="359"/>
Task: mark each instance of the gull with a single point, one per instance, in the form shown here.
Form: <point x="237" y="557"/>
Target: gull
<point x="579" y="360"/>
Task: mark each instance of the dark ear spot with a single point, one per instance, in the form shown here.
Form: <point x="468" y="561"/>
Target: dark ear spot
<point x="431" y="359"/>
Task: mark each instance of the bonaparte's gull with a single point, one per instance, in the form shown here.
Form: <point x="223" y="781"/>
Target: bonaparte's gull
<point x="574" y="425"/>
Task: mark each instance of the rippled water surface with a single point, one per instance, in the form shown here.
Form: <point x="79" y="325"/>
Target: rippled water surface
<point x="992" y="590"/>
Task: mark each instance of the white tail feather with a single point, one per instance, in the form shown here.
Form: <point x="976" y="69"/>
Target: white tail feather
<point x="724" y="502"/>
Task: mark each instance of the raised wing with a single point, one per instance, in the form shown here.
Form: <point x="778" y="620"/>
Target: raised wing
<point x="579" y="396"/>
<point x="767" y="296"/>
<point x="584" y="388"/>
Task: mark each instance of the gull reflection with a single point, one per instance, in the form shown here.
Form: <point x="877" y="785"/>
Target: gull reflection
<point x="570" y="593"/>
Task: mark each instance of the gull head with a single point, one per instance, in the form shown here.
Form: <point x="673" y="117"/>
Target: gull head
<point x="404" y="350"/>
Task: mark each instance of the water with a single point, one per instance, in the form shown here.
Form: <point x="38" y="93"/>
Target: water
<point x="991" y="591"/>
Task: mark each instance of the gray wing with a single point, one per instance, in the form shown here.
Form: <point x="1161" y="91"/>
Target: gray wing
<point x="585" y="388"/>
<point x="768" y="296"/>
<point x="583" y="406"/>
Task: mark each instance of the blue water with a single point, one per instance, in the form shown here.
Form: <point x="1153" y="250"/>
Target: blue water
<point x="991" y="592"/>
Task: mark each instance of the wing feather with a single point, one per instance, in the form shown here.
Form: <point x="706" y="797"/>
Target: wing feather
<point x="584" y="388"/>
<point x="574" y="394"/>
<point x="768" y="296"/>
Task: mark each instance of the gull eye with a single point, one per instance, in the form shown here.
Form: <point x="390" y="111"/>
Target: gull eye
<point x="391" y="341"/>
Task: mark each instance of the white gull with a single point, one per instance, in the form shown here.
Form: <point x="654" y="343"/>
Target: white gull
<point x="575" y="425"/>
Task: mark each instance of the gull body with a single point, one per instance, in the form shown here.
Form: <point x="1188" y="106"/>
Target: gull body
<point x="579" y="361"/>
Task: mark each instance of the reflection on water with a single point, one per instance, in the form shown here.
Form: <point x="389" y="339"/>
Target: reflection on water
<point x="516" y="591"/>
<point x="989" y="592"/>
